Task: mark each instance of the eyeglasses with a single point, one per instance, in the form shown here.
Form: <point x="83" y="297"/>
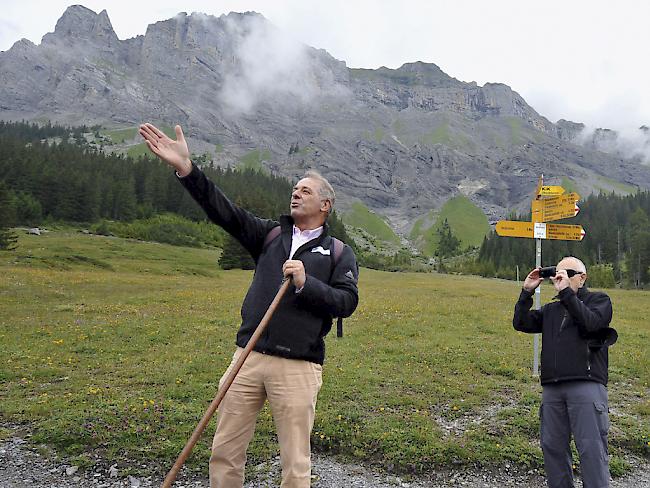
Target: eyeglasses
<point x="572" y="272"/>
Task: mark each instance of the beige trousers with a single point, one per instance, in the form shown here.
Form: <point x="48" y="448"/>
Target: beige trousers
<point x="291" y="387"/>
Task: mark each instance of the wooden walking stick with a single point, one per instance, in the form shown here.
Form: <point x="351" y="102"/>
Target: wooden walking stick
<point x="182" y="457"/>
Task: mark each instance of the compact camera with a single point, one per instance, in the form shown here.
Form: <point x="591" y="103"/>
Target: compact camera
<point x="547" y="272"/>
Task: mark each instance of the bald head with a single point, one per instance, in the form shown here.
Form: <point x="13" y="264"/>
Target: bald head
<point x="574" y="263"/>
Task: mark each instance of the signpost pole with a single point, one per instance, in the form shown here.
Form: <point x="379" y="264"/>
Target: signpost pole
<point x="538" y="306"/>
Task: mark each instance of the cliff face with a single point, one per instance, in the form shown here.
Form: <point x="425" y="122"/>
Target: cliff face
<point x="402" y="141"/>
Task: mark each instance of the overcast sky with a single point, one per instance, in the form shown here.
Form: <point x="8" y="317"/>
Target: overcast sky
<point x="581" y="60"/>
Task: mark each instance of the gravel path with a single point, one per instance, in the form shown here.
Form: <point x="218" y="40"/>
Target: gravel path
<point x="23" y="467"/>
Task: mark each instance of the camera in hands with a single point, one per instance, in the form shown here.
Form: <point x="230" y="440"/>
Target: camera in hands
<point x="547" y="272"/>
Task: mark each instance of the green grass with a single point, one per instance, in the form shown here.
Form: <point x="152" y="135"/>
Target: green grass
<point x="608" y="185"/>
<point x="398" y="126"/>
<point x="569" y="186"/>
<point x="120" y="361"/>
<point x="253" y="160"/>
<point x="138" y="150"/>
<point x="467" y="221"/>
<point x="618" y="186"/>
<point x="364" y="218"/>
<point x="401" y="77"/>
<point x="130" y="133"/>
<point x="71" y="250"/>
<point x="444" y="134"/>
<point x="377" y="135"/>
<point x="515" y="130"/>
<point x="117" y="135"/>
<point x="418" y="228"/>
<point x="441" y="135"/>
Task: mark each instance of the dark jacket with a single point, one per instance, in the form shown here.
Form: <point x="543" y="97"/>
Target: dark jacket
<point x="575" y="334"/>
<point x="301" y="320"/>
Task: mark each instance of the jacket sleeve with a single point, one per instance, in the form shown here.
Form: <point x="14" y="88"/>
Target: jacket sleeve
<point x="589" y="318"/>
<point x="248" y="229"/>
<point x="340" y="297"/>
<point x="525" y="319"/>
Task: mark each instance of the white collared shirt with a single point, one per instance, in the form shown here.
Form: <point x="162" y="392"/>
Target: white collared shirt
<point x="298" y="237"/>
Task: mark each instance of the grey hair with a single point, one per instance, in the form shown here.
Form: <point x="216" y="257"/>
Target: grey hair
<point x="325" y="189"/>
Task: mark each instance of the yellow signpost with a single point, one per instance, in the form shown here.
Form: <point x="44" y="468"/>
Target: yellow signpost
<point x="539" y="230"/>
<point x="555" y="208"/>
<point x="564" y="232"/>
<point x="560" y="232"/>
<point x="551" y="190"/>
<point x="515" y="228"/>
<point x="550" y="203"/>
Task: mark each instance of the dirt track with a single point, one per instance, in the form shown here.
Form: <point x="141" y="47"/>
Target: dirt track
<point x="21" y="467"/>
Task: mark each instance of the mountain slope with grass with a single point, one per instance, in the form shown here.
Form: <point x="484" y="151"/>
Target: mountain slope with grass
<point x="467" y="222"/>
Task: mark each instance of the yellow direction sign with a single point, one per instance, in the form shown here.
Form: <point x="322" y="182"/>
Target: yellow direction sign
<point x="565" y="232"/>
<point x="560" y="212"/>
<point x="514" y="228"/>
<point x="539" y="230"/>
<point x="567" y="197"/>
<point x="550" y="190"/>
<point x="555" y="208"/>
<point x="560" y="232"/>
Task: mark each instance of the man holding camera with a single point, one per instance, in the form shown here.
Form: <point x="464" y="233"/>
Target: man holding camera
<point x="575" y="336"/>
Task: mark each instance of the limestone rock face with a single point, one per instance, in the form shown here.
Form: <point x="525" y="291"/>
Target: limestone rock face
<point x="403" y="141"/>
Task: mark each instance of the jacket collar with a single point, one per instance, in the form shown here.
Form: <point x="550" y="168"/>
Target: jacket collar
<point x="582" y="293"/>
<point x="286" y="224"/>
<point x="286" y="221"/>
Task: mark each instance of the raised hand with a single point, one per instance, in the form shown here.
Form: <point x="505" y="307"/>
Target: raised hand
<point x="561" y="280"/>
<point x="174" y="153"/>
<point x="533" y="280"/>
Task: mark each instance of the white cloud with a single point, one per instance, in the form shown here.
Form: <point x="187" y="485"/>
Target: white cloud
<point x="270" y="63"/>
<point x="626" y="143"/>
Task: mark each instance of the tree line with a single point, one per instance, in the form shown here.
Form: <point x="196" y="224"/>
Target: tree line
<point x="50" y="173"/>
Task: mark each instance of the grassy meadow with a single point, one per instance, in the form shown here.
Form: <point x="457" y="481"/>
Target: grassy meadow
<point x="112" y="350"/>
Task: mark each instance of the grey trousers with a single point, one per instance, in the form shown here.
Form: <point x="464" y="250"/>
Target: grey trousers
<point x="578" y="407"/>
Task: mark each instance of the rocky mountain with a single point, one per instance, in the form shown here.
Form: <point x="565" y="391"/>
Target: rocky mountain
<point x="401" y="141"/>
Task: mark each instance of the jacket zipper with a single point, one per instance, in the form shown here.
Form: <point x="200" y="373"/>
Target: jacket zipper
<point x="566" y="314"/>
<point x="557" y="339"/>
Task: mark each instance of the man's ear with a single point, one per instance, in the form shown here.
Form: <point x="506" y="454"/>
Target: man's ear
<point x="325" y="206"/>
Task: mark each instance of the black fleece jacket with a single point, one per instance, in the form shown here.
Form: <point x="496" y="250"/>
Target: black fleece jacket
<point x="575" y="334"/>
<point x="301" y="320"/>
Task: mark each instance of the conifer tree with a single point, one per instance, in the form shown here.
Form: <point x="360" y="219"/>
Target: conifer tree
<point x="7" y="213"/>
<point x="448" y="243"/>
<point x="235" y="256"/>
